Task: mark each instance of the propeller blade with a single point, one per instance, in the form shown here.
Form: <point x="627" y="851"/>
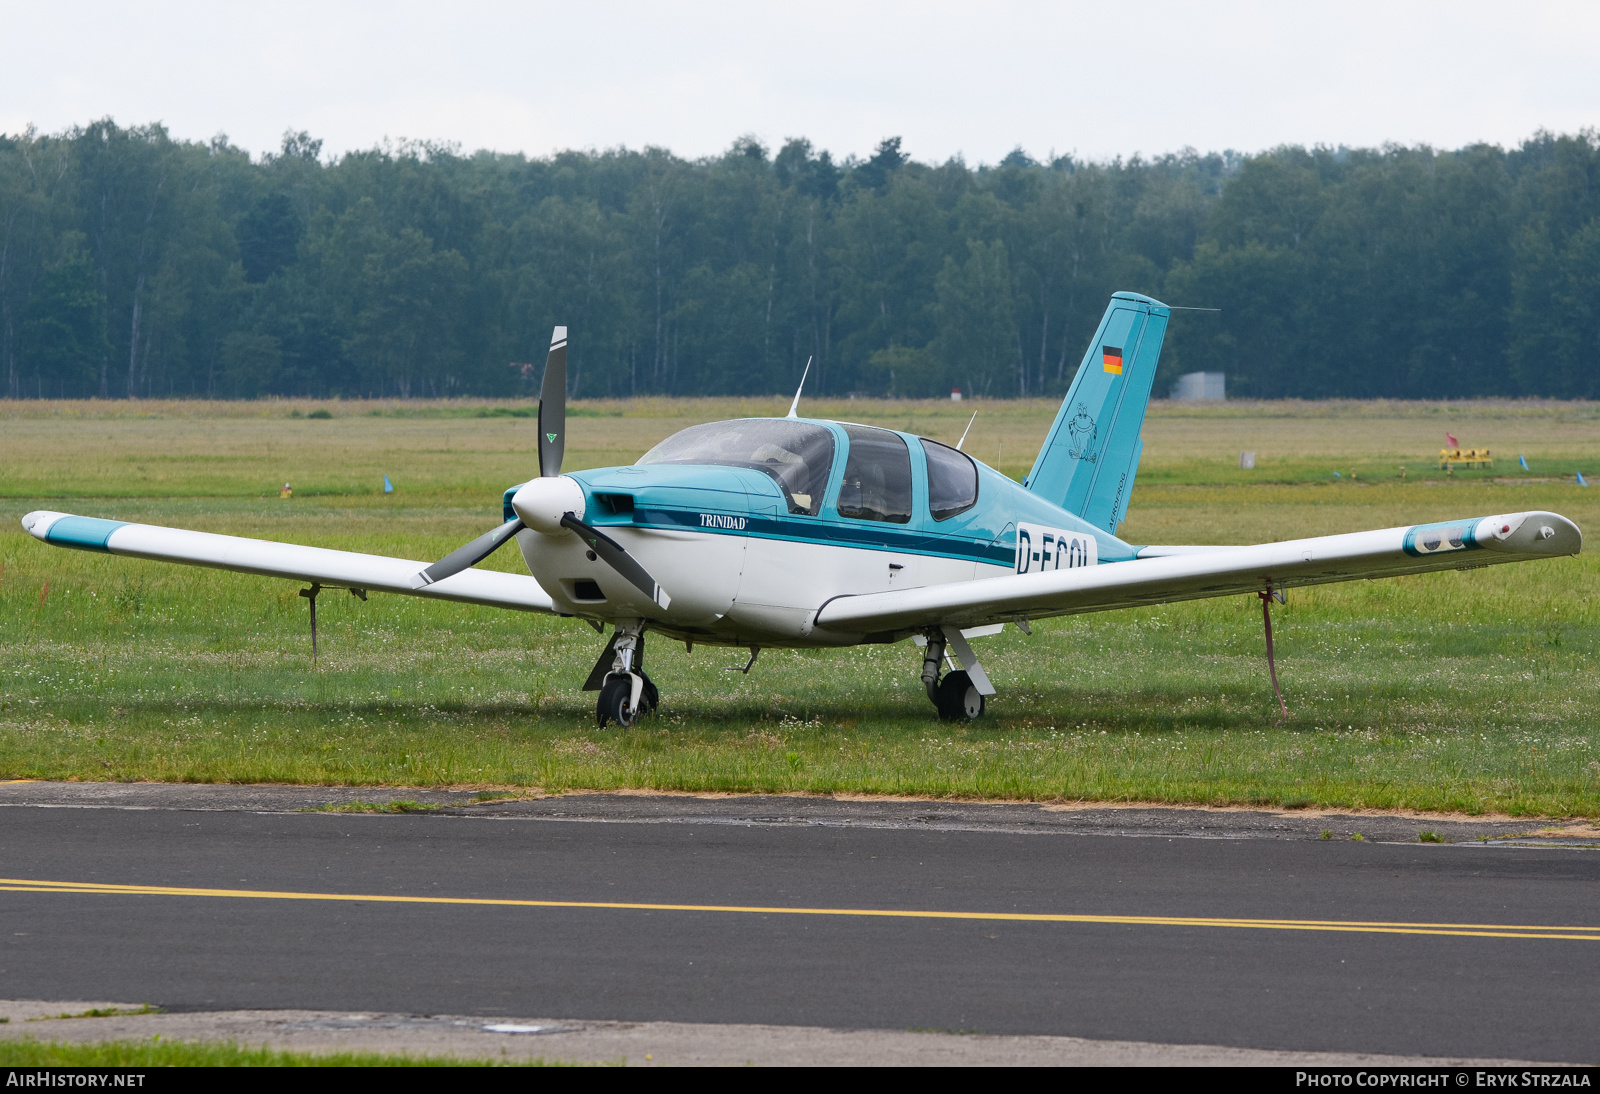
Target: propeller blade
<point x="619" y="560"/>
<point x="553" y="407"/>
<point x="465" y="557"/>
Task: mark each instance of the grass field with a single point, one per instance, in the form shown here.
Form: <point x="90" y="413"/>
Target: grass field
<point x="1472" y="691"/>
<point x="31" y="1052"/>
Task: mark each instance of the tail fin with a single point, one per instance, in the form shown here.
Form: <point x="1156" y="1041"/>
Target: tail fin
<point x="1091" y="453"/>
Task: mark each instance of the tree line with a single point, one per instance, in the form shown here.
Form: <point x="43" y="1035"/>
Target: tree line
<point x="133" y="264"/>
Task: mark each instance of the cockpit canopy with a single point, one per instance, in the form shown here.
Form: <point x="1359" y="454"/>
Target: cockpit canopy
<point x="797" y="455"/>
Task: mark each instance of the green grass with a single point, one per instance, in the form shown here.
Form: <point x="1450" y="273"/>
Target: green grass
<point x="28" y="1052"/>
<point x="1472" y="691"/>
<point x="100" y="1012"/>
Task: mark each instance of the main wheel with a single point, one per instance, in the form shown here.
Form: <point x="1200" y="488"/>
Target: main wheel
<point x="957" y="699"/>
<point x="613" y="705"/>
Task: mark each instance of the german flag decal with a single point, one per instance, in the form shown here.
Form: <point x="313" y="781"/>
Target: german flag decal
<point x="1111" y="357"/>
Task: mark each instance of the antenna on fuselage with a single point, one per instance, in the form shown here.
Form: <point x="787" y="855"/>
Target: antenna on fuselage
<point x="967" y="430"/>
<point x="794" y="407"/>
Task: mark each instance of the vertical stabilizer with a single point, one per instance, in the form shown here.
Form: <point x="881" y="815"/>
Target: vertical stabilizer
<point x="1092" y="451"/>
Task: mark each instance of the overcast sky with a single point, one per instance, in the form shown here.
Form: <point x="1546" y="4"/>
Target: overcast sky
<point x="973" y="79"/>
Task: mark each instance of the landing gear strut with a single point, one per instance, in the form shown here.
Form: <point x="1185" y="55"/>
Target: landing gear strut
<point x="1272" y="665"/>
<point x="311" y="598"/>
<point x="626" y="693"/>
<point x="956" y="697"/>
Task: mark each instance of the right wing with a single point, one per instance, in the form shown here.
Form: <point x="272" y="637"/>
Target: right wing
<point x="341" y="569"/>
<point x="1160" y="575"/>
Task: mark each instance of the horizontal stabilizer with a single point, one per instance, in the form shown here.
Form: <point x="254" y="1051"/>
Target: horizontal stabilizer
<point x="343" y="569"/>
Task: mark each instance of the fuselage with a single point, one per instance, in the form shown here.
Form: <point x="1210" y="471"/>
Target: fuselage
<point x="752" y="525"/>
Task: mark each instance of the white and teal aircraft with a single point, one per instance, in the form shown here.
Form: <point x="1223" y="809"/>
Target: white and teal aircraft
<point x="802" y="532"/>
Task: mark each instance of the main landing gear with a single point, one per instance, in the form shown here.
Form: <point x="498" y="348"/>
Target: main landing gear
<point x="959" y="697"/>
<point x="626" y="693"/>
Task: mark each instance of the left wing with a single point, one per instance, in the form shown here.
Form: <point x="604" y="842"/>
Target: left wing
<point x="1161" y="574"/>
<point x="342" y="569"/>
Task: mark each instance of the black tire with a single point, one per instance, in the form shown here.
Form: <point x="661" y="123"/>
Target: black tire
<point x="613" y="704"/>
<point x="957" y="699"/>
<point x="649" y="697"/>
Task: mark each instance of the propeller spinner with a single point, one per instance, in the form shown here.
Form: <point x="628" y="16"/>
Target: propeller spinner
<point x="551" y="503"/>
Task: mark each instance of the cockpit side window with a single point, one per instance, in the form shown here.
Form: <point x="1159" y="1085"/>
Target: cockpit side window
<point x="877" y="476"/>
<point x="952" y="480"/>
<point x="797" y="456"/>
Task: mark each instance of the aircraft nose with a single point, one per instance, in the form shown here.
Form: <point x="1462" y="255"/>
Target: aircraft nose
<point x="542" y="503"/>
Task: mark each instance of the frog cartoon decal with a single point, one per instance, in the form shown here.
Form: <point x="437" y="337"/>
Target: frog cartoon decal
<point x="1081" y="431"/>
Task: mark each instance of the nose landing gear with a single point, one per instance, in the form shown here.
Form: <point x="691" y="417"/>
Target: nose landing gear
<point x="626" y="693"/>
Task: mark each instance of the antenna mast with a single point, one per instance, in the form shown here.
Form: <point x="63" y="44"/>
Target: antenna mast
<point x="794" y="407"/>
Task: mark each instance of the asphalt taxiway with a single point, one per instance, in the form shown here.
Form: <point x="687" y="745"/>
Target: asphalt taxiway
<point x="1237" y="929"/>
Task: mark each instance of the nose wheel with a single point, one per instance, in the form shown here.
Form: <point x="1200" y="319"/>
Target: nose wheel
<point x="617" y="703"/>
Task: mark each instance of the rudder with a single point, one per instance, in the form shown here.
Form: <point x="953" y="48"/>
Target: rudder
<point x="1091" y="454"/>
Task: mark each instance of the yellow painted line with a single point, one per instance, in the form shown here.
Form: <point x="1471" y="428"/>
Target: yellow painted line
<point x="1473" y="930"/>
<point x="12" y="782"/>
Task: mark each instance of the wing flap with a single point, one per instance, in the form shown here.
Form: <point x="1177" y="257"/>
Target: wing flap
<point x="287" y="560"/>
<point x="1194" y="574"/>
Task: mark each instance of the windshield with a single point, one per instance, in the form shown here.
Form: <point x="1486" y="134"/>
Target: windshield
<point x="797" y="456"/>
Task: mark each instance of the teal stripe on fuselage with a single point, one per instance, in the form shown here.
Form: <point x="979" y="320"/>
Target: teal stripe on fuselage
<point x="83" y="533"/>
<point x="874" y="536"/>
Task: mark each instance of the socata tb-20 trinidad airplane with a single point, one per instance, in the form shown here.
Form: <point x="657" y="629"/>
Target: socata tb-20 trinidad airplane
<point x="800" y="532"/>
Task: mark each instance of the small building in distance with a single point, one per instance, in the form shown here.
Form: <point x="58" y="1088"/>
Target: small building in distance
<point x="1200" y="385"/>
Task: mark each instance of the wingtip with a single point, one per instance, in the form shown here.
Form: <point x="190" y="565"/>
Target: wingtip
<point x="37" y="523"/>
<point x="1535" y="533"/>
